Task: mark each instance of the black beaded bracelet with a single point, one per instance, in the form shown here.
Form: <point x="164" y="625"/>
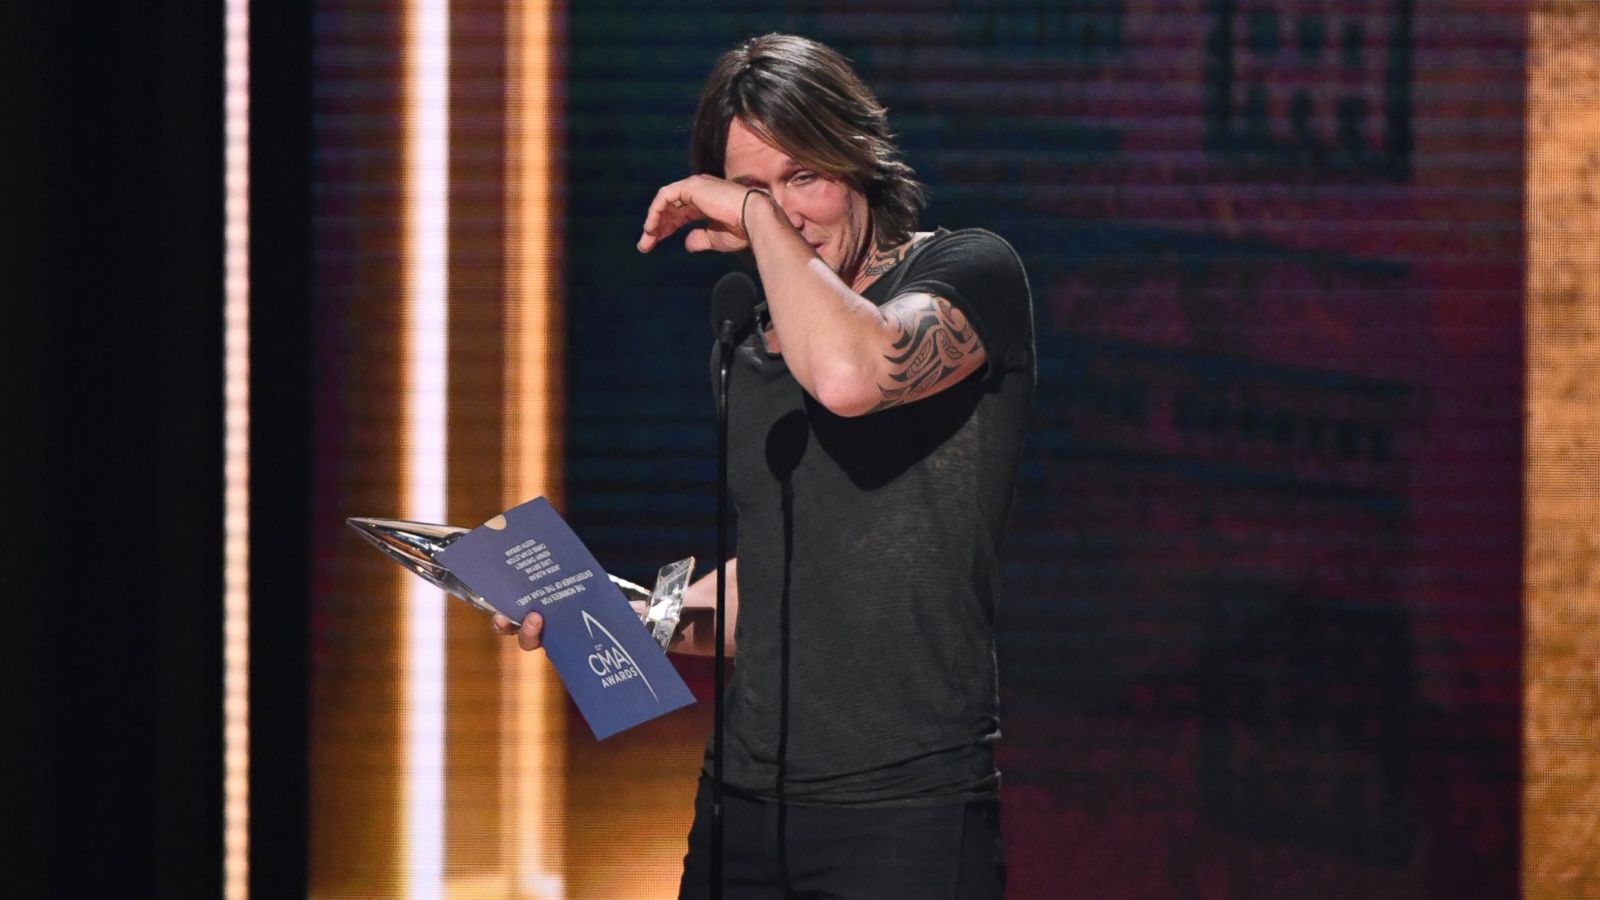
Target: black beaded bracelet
<point x="746" y="202"/>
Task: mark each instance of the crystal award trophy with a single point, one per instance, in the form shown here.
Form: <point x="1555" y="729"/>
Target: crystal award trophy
<point x="416" y="545"/>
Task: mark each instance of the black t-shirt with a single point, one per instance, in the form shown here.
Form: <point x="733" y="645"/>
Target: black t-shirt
<point x="868" y="576"/>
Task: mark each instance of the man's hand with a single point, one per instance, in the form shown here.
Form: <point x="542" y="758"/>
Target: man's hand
<point x="529" y="637"/>
<point x="698" y="198"/>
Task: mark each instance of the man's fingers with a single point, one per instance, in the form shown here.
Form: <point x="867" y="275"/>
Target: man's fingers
<point x="531" y="635"/>
<point x="698" y="198"/>
<point x="702" y="239"/>
<point x="658" y="205"/>
<point x="669" y="209"/>
<point x="663" y="221"/>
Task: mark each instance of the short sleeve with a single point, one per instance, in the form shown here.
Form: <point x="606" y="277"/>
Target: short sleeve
<point x="981" y="275"/>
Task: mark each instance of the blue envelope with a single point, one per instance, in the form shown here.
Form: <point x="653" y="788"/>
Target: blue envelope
<point x="528" y="560"/>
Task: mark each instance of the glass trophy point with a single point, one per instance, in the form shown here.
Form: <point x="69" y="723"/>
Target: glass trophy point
<point x="415" y="545"/>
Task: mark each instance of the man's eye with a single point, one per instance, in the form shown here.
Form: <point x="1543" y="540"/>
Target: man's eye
<point x="803" y="178"/>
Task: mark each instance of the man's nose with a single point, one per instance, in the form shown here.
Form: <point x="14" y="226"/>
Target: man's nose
<point x="795" y="219"/>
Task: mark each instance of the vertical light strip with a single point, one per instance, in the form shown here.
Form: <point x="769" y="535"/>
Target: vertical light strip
<point x="236" y="454"/>
<point x="426" y="336"/>
<point x="1561" y="581"/>
<point x="533" y="758"/>
<point x="532" y="259"/>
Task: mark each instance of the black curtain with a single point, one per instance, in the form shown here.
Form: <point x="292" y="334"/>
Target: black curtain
<point x="112" y="332"/>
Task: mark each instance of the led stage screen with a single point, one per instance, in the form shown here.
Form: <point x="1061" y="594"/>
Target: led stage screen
<point x="1261" y="632"/>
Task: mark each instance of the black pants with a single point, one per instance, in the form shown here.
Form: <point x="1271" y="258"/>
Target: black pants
<point x="788" y="852"/>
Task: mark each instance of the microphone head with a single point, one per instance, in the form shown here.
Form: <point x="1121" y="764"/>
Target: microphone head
<point x="733" y="304"/>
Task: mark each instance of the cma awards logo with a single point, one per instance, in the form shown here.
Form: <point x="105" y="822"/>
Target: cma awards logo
<point x="612" y="664"/>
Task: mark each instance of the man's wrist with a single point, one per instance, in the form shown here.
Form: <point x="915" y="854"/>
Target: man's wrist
<point x="744" y="207"/>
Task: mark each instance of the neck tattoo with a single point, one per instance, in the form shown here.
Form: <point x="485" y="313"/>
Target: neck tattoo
<point x="885" y="258"/>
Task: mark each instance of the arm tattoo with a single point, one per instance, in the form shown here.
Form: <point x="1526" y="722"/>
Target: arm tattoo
<point x="933" y="340"/>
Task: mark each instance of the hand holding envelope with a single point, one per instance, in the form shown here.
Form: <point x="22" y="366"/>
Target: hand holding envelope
<point x="527" y="565"/>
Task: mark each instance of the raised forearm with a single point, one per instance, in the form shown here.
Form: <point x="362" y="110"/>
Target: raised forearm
<point x="850" y="355"/>
<point x="831" y="338"/>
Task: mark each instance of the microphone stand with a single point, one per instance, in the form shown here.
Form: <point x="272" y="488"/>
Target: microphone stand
<point x="724" y="353"/>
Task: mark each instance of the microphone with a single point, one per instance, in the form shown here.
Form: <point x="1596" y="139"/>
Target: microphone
<point x="733" y="309"/>
<point x="733" y="306"/>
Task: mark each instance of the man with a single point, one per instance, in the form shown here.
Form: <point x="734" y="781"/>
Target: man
<point x="877" y="414"/>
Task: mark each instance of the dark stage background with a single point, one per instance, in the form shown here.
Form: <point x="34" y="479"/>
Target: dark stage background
<point x="1261" y="633"/>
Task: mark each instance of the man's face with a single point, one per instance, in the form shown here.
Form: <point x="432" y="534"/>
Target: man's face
<point x="830" y="215"/>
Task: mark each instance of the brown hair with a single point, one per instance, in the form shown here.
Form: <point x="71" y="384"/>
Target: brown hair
<point x="803" y="98"/>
